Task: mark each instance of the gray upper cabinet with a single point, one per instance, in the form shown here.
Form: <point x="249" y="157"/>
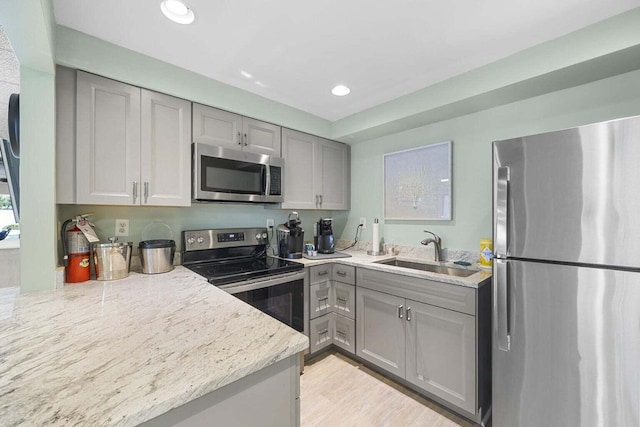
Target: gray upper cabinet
<point x="132" y="146"/>
<point x="333" y="174"/>
<point x="224" y="129"/>
<point x="316" y="172"/>
<point x="165" y="163"/>
<point x="441" y="353"/>
<point x="108" y="141"/>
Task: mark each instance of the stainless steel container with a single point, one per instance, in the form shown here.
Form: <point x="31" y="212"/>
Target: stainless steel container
<point x="156" y="256"/>
<point x="112" y="260"/>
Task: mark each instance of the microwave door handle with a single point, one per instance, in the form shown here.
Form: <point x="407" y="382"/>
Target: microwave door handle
<point x="267" y="184"/>
<point x="502" y="212"/>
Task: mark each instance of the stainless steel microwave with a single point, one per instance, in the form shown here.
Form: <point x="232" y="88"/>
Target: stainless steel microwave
<point x="226" y="175"/>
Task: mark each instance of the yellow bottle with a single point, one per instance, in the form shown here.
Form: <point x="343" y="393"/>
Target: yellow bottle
<point x="486" y="252"/>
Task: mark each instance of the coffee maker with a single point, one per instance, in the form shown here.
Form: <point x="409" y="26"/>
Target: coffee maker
<point x="323" y="236"/>
<point x="290" y="237"/>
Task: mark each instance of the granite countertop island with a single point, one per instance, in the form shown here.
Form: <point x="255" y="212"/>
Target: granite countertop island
<point x="125" y="351"/>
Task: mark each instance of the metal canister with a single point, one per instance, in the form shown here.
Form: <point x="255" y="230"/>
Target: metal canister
<point x="112" y="260"/>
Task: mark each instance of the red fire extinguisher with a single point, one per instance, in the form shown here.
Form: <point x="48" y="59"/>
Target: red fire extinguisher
<point x="76" y="253"/>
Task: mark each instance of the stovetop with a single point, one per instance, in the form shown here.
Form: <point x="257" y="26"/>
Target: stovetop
<point x="223" y="272"/>
<point x="232" y="255"/>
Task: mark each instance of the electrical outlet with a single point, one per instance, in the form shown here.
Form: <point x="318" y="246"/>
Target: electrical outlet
<point x="270" y="223"/>
<point x="363" y="221"/>
<point x="122" y="227"/>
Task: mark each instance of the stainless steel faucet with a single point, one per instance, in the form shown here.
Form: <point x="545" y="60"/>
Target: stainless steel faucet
<point x="437" y="242"/>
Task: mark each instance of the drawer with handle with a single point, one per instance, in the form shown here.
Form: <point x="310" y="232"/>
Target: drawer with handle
<point x="344" y="274"/>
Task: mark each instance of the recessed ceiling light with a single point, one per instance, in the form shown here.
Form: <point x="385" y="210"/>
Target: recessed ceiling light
<point x="177" y="11"/>
<point x="340" y="90"/>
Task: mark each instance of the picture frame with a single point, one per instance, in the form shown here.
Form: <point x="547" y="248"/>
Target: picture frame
<point x="418" y="182"/>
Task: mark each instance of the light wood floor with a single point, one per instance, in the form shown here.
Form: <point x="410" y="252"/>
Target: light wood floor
<point x="337" y="391"/>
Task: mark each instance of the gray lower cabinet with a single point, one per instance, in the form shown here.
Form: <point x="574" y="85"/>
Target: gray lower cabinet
<point x="343" y="332"/>
<point x="440" y="355"/>
<point x="332" y="307"/>
<point x="320" y="333"/>
<point x="433" y="335"/>
<point x="380" y="337"/>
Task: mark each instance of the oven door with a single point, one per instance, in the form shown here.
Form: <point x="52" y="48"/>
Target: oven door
<point x="281" y="297"/>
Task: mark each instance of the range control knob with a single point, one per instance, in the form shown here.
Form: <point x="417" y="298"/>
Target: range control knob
<point x="191" y="240"/>
<point x="264" y="235"/>
<point x="200" y="239"/>
<point x="258" y="236"/>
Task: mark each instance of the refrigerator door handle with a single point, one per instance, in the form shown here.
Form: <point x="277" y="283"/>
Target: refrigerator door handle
<point x="501" y="310"/>
<point x="502" y="212"/>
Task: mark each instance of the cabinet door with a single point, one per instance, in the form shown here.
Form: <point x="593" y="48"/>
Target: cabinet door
<point x="320" y="299"/>
<point x="343" y="332"/>
<point x="299" y="153"/>
<point x="108" y="141"/>
<point x="260" y="137"/>
<point x="320" y="333"/>
<point x="441" y="353"/>
<point x="217" y="127"/>
<point x="380" y="330"/>
<point x="334" y="176"/>
<point x="165" y="150"/>
<point x="343" y="299"/>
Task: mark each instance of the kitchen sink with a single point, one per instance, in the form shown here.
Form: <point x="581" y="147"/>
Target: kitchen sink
<point x="440" y="269"/>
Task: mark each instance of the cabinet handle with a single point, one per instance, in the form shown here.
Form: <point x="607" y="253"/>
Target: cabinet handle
<point x="316" y="200"/>
<point x="400" y="307"/>
<point x="323" y="273"/>
<point x="322" y="299"/>
<point x="342" y="300"/>
<point x="339" y="332"/>
<point x="246" y="140"/>
<point x="320" y="200"/>
<point x="146" y="192"/>
<point x="341" y="273"/>
<point x="135" y="191"/>
<point x="408" y="314"/>
<point x="326" y="331"/>
<point x="239" y="138"/>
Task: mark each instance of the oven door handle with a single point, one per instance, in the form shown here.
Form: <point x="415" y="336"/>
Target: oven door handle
<point x="263" y="282"/>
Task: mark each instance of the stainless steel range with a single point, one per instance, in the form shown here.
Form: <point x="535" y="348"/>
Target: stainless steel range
<point x="236" y="260"/>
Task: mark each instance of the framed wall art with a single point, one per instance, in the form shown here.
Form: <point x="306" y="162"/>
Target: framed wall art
<point x="417" y="183"/>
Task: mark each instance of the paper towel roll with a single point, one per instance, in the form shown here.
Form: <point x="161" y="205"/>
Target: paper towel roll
<point x="376" y="236"/>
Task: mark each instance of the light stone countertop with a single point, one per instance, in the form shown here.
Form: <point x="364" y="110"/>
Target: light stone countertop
<point x="361" y="259"/>
<point x="125" y="351"/>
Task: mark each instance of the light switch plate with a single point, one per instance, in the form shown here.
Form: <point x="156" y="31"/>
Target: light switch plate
<point x="363" y="221"/>
<point x="122" y="227"/>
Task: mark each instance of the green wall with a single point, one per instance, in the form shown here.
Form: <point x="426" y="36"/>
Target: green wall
<point x="29" y="27"/>
<point x="472" y="136"/>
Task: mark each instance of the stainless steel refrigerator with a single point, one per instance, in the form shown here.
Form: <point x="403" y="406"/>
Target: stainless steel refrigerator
<point x="566" y="277"/>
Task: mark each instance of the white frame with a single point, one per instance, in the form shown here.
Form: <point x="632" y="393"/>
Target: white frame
<point x="445" y="205"/>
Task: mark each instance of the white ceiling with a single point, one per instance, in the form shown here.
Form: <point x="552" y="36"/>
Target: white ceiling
<point x="296" y="51"/>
